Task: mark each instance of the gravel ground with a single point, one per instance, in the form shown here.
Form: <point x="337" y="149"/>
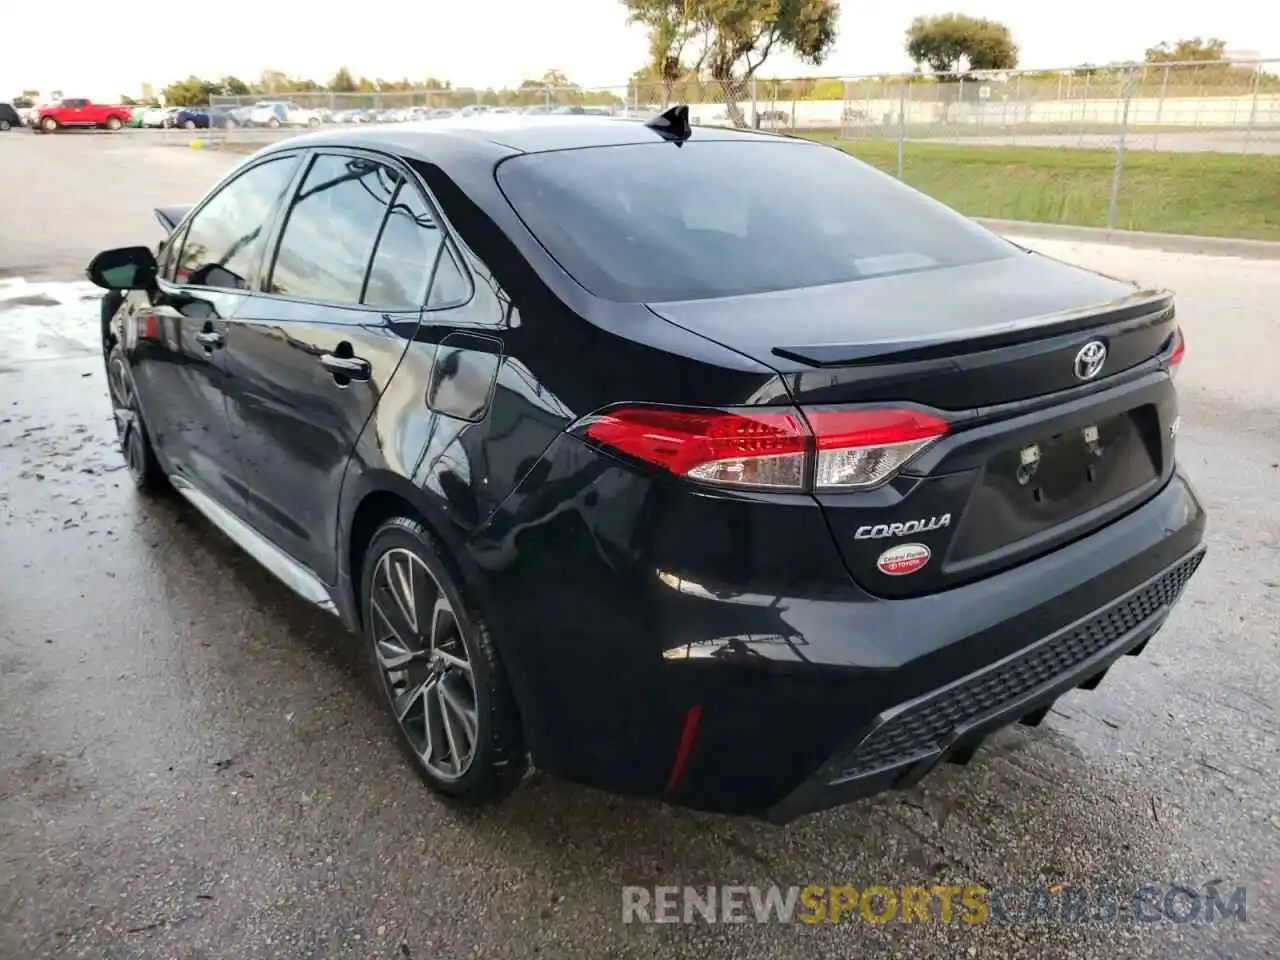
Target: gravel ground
<point x="190" y="764"/>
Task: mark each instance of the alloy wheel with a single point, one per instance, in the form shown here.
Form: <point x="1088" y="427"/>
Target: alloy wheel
<point x="125" y="414"/>
<point x="120" y="386"/>
<point x="425" y="665"/>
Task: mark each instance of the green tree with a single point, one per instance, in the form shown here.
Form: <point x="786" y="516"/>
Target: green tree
<point x="556" y="78"/>
<point x="191" y="92"/>
<point x="1196" y="64"/>
<point x="735" y="37"/>
<point x="671" y="30"/>
<point x="271" y="81"/>
<point x="954" y="44"/>
<point x="234" y="87"/>
<point x="1187" y="51"/>
<point x="342" y="81"/>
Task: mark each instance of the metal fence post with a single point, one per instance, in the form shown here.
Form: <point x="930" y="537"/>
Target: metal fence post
<point x="1126" y="95"/>
<point x="1164" y="87"/>
<point x="755" y="113"/>
<point x="902" y="126"/>
<point x="1253" y="106"/>
<point x="1018" y="111"/>
<point x="1084" y="107"/>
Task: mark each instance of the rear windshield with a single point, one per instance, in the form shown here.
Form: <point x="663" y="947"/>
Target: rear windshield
<point x="654" y="222"/>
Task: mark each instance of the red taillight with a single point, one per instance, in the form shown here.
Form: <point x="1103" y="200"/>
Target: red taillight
<point x="779" y="449"/>
<point x="1175" y="356"/>
<point x="750" y="449"/>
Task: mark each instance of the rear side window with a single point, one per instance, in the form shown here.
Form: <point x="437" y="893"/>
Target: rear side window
<point x="653" y="222"/>
<point x="332" y="229"/>
<point x="407" y="250"/>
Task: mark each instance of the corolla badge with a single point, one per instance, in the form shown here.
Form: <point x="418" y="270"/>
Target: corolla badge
<point x="903" y="559"/>
<point x="1090" y="359"/>
<point x="881" y="530"/>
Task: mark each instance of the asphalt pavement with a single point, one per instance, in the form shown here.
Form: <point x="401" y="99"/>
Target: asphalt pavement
<point x="192" y="765"/>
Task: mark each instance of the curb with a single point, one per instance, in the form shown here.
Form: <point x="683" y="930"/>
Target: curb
<point x="1168" y="242"/>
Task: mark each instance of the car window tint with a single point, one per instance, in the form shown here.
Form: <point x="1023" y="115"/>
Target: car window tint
<point x="648" y="222"/>
<point x="169" y="261"/>
<point x="449" y="286"/>
<point x="225" y="238"/>
<point x="332" y="228"/>
<point x="406" y="253"/>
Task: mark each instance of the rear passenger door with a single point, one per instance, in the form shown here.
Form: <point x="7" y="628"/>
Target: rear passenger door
<point x="311" y="354"/>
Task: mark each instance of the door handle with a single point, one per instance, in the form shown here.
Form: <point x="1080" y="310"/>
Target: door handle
<point x="209" y="339"/>
<point x="353" y="368"/>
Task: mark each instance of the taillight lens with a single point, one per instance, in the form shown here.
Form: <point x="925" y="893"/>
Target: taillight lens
<point x="858" y="449"/>
<point x="777" y="449"/>
<point x="745" y="449"/>
<point x="1174" y="363"/>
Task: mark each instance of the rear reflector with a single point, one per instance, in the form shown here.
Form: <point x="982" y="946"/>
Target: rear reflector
<point x="1175" y="356"/>
<point x="778" y="449"/>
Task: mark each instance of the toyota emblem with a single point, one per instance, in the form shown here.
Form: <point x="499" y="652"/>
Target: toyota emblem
<point x="1090" y="359"/>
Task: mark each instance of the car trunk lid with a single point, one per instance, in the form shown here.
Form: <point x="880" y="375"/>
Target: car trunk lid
<point x="1040" y="447"/>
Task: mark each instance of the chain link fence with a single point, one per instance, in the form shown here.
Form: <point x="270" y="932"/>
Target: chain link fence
<point x="1217" y="107"/>
<point x="247" y="113"/>
<point x="1131" y="146"/>
<point x="1122" y="147"/>
<point x="1231" y="107"/>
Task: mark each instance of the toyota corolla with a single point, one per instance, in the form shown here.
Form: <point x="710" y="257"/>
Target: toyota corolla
<point x="703" y="464"/>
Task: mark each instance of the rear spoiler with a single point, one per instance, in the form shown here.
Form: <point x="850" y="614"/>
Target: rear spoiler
<point x="170" y="217"/>
<point x="1145" y="308"/>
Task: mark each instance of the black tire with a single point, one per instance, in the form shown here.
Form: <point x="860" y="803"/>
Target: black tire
<point x="188" y="125"/>
<point x="498" y="760"/>
<point x="135" y="442"/>
<point x="114" y="124"/>
<point x="4" y="125"/>
<point x="48" y="125"/>
<point x="273" y="123"/>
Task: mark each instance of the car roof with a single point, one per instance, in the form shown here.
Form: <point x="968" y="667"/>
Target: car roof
<point x="505" y="134"/>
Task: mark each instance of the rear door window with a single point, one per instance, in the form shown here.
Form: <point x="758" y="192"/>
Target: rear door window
<point x="332" y="229"/>
<point x="414" y="265"/>
<point x="653" y="222"/>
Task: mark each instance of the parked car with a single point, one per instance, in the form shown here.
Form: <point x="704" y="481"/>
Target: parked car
<point x="155" y="118"/>
<point x="277" y="113"/>
<point x="26" y="109"/>
<point x="201" y="118"/>
<point x="740" y="474"/>
<point x="9" y="117"/>
<point x="78" y="112"/>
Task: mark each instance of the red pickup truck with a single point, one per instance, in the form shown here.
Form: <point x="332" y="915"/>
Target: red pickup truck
<point x="79" y="112"/>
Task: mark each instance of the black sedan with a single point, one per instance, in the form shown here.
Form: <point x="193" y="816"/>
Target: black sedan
<point x="715" y="465"/>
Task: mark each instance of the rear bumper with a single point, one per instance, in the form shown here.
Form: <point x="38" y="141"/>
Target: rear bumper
<point x="901" y="745"/>
<point x="808" y="692"/>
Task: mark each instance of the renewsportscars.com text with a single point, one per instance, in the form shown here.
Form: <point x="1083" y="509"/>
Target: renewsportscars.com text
<point x="969" y="904"/>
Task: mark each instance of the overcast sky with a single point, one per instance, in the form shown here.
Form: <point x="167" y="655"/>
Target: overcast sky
<point x="501" y="42"/>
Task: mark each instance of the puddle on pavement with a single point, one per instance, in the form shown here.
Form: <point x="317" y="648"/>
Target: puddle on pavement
<point x="47" y="320"/>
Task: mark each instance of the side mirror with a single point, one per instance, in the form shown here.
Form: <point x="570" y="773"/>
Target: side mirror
<point x="124" y="268"/>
